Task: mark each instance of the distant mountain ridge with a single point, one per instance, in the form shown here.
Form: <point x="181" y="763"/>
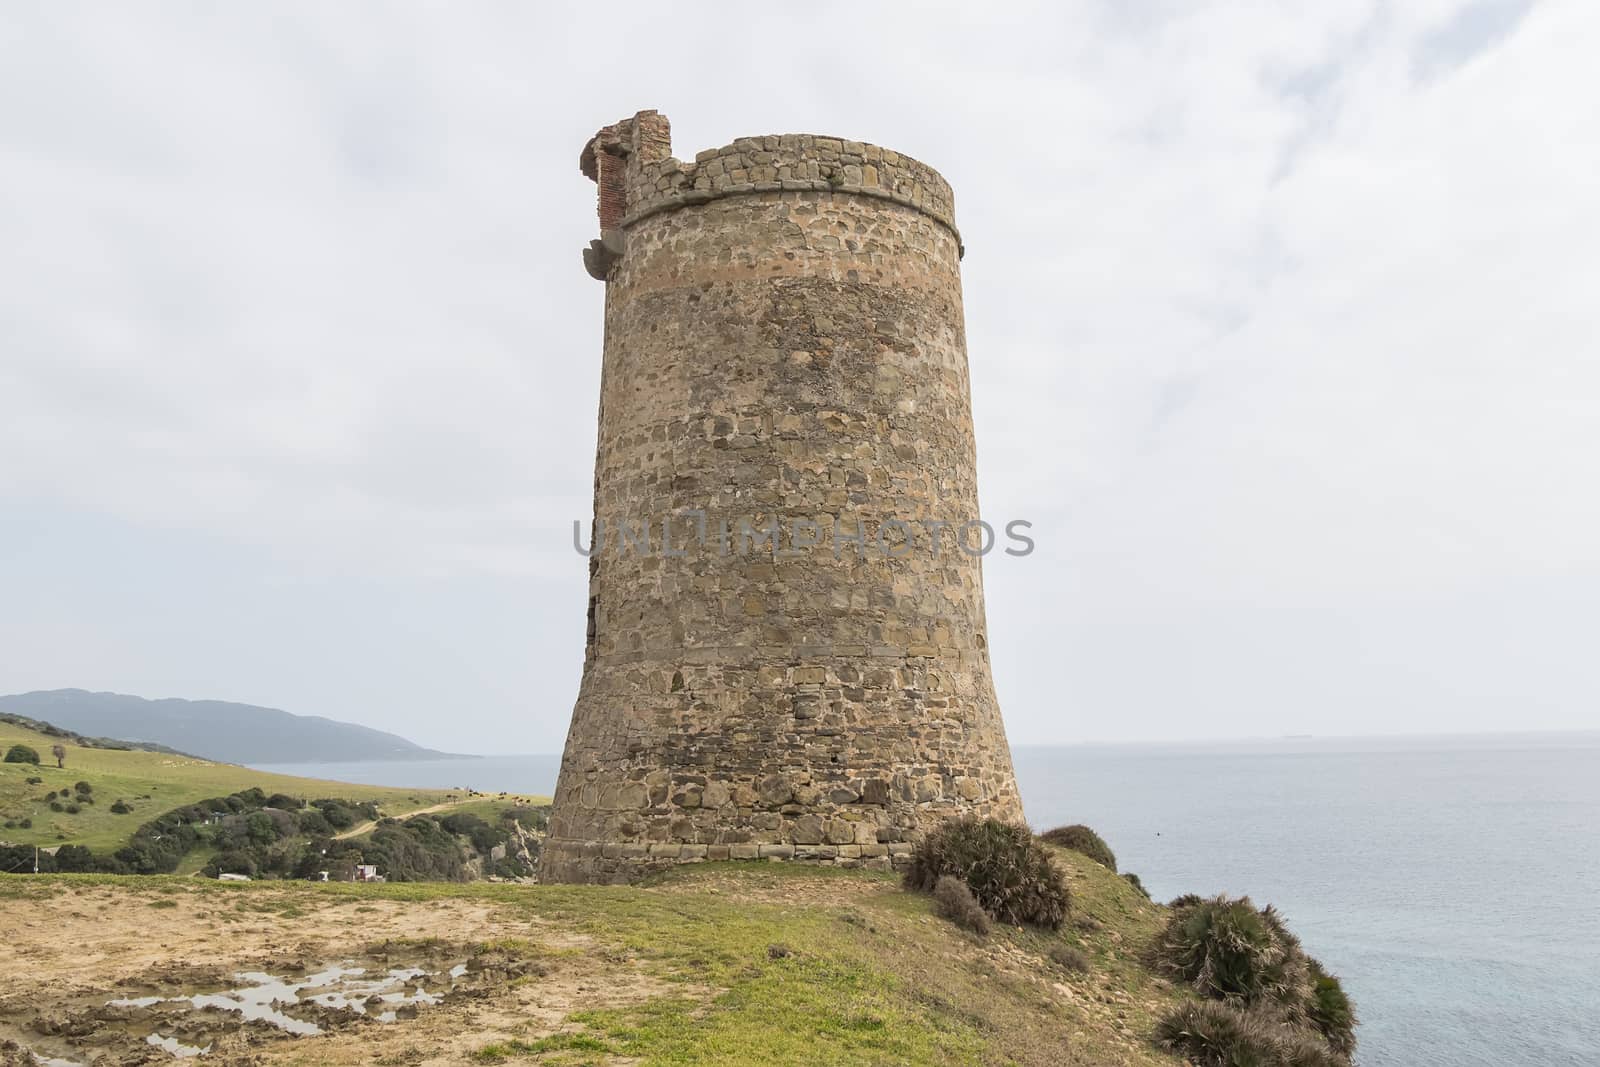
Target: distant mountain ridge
<point x="216" y="729"/>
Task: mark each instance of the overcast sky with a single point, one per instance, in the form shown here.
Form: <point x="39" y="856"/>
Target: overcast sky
<point x="1282" y="320"/>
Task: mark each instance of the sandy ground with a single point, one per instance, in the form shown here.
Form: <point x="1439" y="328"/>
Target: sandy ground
<point x="65" y="957"/>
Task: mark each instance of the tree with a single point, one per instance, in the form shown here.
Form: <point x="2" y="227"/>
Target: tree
<point x="59" y="751"/>
<point x="22" y="754"/>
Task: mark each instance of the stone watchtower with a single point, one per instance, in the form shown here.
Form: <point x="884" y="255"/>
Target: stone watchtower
<point x="786" y="652"/>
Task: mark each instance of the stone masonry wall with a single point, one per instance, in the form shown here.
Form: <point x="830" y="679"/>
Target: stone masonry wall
<point x="784" y="340"/>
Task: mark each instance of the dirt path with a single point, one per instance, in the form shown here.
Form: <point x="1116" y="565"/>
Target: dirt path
<point x="366" y="827"/>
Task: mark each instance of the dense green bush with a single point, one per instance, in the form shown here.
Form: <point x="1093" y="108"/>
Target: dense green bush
<point x="158" y="846"/>
<point x="954" y="901"/>
<point x="1006" y="868"/>
<point x="483" y="836"/>
<point x="1133" y="880"/>
<point x="344" y="814"/>
<point x="417" y="850"/>
<point x="19" y="859"/>
<point x="1212" y="1033"/>
<point x="25" y="823"/>
<point x="35" y="780"/>
<point x="82" y="787"/>
<point x="266" y="836"/>
<point x="313" y="822"/>
<point x="75" y="858"/>
<point x="232" y="862"/>
<point x="1273" y="996"/>
<point x="1228" y="949"/>
<point x="21" y="754"/>
<point x="1331" y="1013"/>
<point x="531" y="818"/>
<point x="1186" y="900"/>
<point x="1080" y="838"/>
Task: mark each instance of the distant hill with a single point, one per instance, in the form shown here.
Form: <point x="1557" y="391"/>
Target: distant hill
<point x="214" y="729"/>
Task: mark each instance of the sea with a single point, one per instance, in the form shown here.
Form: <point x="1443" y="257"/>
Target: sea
<point x="1453" y="883"/>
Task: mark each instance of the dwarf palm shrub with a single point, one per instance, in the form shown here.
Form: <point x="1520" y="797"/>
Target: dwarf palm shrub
<point x="954" y="901"/>
<point x="1069" y="959"/>
<point x="1212" y="1033"/>
<point x="1081" y="839"/>
<point x="1228" y="949"/>
<point x="1331" y="1012"/>
<point x="1008" y="871"/>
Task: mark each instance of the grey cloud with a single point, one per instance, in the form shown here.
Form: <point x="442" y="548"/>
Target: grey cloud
<point x="292" y="317"/>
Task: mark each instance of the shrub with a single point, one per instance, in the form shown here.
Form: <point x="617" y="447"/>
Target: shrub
<point x="34" y="779"/>
<point x="19" y="859"/>
<point x="1222" y="1034"/>
<point x="954" y="901"/>
<point x="21" y="754"/>
<point x="1081" y="839"/>
<point x="82" y="787"/>
<point x="251" y="798"/>
<point x="1187" y="900"/>
<point x="56" y="805"/>
<point x="530" y="817"/>
<point x="1133" y="880"/>
<point x="1331" y="1013"/>
<point x="483" y="836"/>
<point x="1228" y="949"/>
<point x="1008" y="871"/>
<point x="313" y="822"/>
<point x="234" y="862"/>
<point x="120" y="808"/>
<point x="75" y="858"/>
<point x="1069" y="959"/>
<point x="73" y="809"/>
<point x="260" y="828"/>
<point x="25" y="823"/>
<point x="339" y="815"/>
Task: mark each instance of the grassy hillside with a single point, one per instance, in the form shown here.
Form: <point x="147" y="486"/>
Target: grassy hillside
<point x="149" y="783"/>
<point x="713" y="964"/>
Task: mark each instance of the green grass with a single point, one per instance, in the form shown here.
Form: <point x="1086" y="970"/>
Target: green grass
<point x="489" y="808"/>
<point x="151" y="783"/>
<point x="870" y="975"/>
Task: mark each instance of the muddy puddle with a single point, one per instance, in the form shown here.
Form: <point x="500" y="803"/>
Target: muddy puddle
<point x="193" y="1013"/>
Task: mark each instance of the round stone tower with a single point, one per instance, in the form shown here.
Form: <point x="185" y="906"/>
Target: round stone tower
<point x="787" y="655"/>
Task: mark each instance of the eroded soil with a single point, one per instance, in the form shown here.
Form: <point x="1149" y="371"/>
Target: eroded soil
<point x="100" y="975"/>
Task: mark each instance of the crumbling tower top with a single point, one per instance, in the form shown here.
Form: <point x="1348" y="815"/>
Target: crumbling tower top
<point x="631" y="162"/>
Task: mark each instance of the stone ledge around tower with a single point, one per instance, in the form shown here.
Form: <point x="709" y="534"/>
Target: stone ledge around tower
<point x="793" y="162"/>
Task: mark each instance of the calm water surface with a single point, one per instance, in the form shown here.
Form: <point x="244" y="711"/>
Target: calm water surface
<point x="1454" y="883"/>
